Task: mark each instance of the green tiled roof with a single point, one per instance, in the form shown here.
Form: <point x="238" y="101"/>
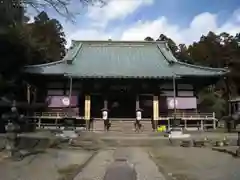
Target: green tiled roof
<point x="121" y="59"/>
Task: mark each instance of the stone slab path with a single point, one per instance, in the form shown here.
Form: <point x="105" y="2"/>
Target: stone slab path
<point x="106" y="160"/>
<point x="95" y="170"/>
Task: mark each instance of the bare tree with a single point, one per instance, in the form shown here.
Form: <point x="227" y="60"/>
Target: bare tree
<point x="62" y="6"/>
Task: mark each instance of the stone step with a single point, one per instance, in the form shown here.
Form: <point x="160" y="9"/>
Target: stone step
<point x="122" y="126"/>
<point x="98" y="125"/>
<point x="123" y="140"/>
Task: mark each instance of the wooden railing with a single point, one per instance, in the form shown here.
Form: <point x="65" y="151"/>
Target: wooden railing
<point x="54" y="115"/>
<point x="55" y="118"/>
<point x="188" y="116"/>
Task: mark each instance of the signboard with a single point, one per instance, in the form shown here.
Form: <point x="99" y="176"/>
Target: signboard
<point x="173" y="104"/>
<point x="182" y="102"/>
<point x="66" y="101"/>
<point x="61" y="101"/>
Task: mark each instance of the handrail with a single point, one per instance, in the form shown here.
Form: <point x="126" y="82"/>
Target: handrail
<point x="187" y="116"/>
<point x="54" y="114"/>
<point x="161" y="116"/>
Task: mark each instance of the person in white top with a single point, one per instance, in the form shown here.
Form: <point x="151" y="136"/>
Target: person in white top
<point x="105" y="119"/>
<point x="139" y="115"/>
<point x="105" y="115"/>
<point x="137" y="123"/>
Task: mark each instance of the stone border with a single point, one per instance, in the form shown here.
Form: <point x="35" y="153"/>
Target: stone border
<point x="227" y="150"/>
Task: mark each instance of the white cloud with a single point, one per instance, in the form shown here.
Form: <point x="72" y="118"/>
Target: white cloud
<point x="200" y="25"/>
<point x="115" y="9"/>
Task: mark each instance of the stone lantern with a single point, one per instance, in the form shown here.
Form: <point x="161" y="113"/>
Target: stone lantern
<point x="12" y="129"/>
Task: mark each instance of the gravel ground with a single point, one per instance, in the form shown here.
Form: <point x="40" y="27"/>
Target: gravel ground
<point x="45" y="166"/>
<point x="196" y="163"/>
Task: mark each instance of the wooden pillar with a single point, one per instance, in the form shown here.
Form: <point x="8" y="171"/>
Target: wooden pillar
<point x="174" y="96"/>
<point x="28" y="94"/>
<point x="87" y="110"/>
<point x="158" y="107"/>
<point x="169" y="124"/>
<point x="185" y="124"/>
<point x="202" y="125"/>
<point x="214" y="121"/>
<point x="105" y="104"/>
<point x="35" y="95"/>
<point x="155" y="110"/>
<point x="137" y="102"/>
<point x="229" y="109"/>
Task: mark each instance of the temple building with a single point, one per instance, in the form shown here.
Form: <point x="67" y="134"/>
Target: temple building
<point x="122" y="76"/>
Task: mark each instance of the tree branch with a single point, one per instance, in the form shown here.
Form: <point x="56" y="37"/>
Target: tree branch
<point x="62" y="7"/>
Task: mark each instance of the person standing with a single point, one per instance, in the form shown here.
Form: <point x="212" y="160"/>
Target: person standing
<point x="137" y="124"/>
<point x="105" y="118"/>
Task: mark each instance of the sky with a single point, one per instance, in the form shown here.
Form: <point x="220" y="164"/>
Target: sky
<point x="185" y="21"/>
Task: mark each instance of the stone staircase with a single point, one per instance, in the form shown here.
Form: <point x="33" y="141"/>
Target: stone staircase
<point x="126" y="126"/>
<point x="122" y="126"/>
<point x="98" y="125"/>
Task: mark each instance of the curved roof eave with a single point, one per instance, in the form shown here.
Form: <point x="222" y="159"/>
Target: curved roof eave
<point x="163" y="48"/>
<point x="45" y="64"/>
<point x="204" y="67"/>
<point x="70" y="56"/>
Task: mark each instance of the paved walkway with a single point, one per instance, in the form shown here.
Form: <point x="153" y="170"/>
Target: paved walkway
<point x="135" y="158"/>
<point x="139" y="158"/>
<point x="95" y="170"/>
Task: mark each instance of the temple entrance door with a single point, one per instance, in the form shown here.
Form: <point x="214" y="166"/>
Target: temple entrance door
<point x="96" y="106"/>
<point x="146" y="104"/>
<point x="122" y="105"/>
<point x="81" y="104"/>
